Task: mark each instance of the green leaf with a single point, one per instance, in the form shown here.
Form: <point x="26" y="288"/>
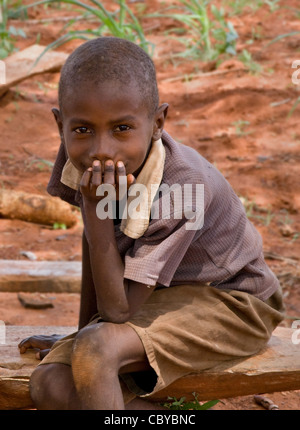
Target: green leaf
<point x="121" y="23"/>
<point x="3" y="53"/>
<point x="230" y="50"/>
<point x="282" y="36"/>
<point x="12" y="30"/>
<point x="208" y="405"/>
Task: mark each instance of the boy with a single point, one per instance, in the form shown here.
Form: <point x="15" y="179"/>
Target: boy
<point x="162" y="295"/>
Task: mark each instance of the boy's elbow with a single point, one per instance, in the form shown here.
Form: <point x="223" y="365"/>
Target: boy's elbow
<point x="118" y="319"/>
<point x="115" y="316"/>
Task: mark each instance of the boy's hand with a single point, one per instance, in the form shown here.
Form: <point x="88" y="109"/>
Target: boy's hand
<point x="41" y="342"/>
<point x="96" y="175"/>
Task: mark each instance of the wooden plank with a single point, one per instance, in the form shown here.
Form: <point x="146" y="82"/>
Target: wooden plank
<point x="16" y="368"/>
<point x="41" y="276"/>
<point x="276" y="368"/>
<point x="21" y="65"/>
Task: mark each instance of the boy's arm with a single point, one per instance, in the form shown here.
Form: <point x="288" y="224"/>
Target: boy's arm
<point x="88" y="300"/>
<point x="117" y="298"/>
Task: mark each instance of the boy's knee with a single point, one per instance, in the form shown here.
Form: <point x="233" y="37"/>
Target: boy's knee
<point x="44" y="386"/>
<point x="95" y="342"/>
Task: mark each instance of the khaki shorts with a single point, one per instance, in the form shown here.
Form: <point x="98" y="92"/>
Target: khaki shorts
<point x="187" y="329"/>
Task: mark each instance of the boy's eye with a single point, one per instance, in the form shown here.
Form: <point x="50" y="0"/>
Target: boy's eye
<point x="122" y="127"/>
<point x="82" y="130"/>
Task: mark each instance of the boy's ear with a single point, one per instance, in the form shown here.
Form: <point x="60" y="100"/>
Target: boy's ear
<point x="160" y="117"/>
<point x="58" y="119"/>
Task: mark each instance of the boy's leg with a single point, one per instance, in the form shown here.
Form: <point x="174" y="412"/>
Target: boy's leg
<point x="100" y="353"/>
<point x="52" y="387"/>
<point x="60" y="392"/>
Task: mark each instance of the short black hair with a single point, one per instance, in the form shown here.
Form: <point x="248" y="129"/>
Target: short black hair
<point x="111" y="59"/>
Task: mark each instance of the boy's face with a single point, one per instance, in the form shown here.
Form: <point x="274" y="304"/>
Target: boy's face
<point x="108" y="122"/>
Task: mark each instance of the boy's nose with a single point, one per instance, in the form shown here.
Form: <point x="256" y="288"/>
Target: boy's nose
<point x="102" y="151"/>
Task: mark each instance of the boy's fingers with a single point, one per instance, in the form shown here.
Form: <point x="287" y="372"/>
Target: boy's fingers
<point x="22" y="349"/>
<point x="29" y="343"/>
<point x="120" y="170"/>
<point x="25" y="344"/>
<point x="38" y="341"/>
<point x="92" y="177"/>
<point x="130" y="180"/>
<point x="96" y="174"/>
<point x="86" y="177"/>
<point x="109" y="173"/>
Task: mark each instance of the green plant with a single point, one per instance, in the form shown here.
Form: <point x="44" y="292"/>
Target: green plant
<point x="273" y="5"/>
<point x="264" y="215"/>
<point x="293" y="107"/>
<point x="209" y="34"/>
<point x="181" y="405"/>
<point x="59" y="226"/>
<point x="121" y="23"/>
<point x="282" y="36"/>
<point x="41" y="164"/>
<point x="238" y="6"/>
<point x="8" y="33"/>
<point x="246" y="58"/>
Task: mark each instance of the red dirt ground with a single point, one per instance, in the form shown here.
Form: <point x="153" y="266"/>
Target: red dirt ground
<point x="259" y="158"/>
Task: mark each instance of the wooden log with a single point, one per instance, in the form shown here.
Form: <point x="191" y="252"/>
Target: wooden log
<point x="36" y="208"/>
<point x="41" y="276"/>
<point x="276" y="368"/>
<point x="21" y="65"/>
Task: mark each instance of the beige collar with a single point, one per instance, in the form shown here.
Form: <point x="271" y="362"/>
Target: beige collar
<point x="150" y="177"/>
<point x="71" y="176"/>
